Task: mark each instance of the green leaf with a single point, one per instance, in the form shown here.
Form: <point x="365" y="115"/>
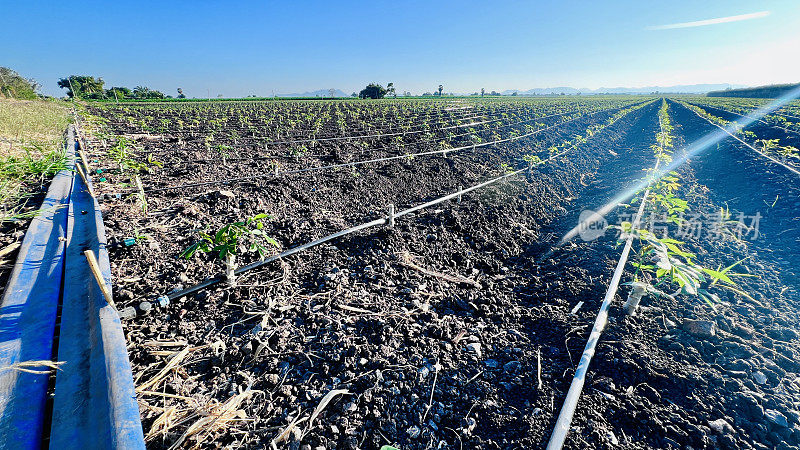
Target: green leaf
<point x="220" y="233"/>
<point x="190" y="251"/>
<point x="664" y="264"/>
<point x="688" y="284"/>
<point x="708" y="297"/>
<point x="718" y="276"/>
<point x="674" y="248"/>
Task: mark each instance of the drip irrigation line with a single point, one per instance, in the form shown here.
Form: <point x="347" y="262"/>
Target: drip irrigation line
<point x="382" y="221"/>
<point x="469" y="133"/>
<point x="357" y="163"/>
<point x="559" y="434"/>
<point x="352" y="137"/>
<point x="415" y="119"/>
<point x="410" y="119"/>
<point x="786" y="166"/>
<point x="434" y="139"/>
<point x="773" y="113"/>
<point x="165" y="299"/>
<point x="785" y="115"/>
<point x="372" y="136"/>
<point x="472" y="124"/>
<point x="745" y="116"/>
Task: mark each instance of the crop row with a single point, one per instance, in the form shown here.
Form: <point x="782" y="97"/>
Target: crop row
<point x="276" y="121"/>
<point x="787" y="117"/>
<point x="782" y="150"/>
<point x="493" y="159"/>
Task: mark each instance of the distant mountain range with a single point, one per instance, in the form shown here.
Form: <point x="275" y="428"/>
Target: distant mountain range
<point x="318" y="93"/>
<point x="683" y="89"/>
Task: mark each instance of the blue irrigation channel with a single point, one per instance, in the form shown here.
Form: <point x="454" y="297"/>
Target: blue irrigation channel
<point x="54" y="310"/>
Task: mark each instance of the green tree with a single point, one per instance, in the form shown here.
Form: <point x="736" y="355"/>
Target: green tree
<point x="83" y="86"/>
<point x="144" y="92"/>
<point x="373" y="91"/>
<point x="119" y="93"/>
<point x="441" y="88"/>
<point x="13" y="85"/>
<point x="390" y="90"/>
<point x="181" y="95"/>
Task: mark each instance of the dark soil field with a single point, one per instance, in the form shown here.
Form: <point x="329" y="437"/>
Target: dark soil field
<point x="461" y="326"/>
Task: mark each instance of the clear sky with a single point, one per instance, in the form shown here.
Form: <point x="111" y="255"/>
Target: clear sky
<point x="247" y="47"/>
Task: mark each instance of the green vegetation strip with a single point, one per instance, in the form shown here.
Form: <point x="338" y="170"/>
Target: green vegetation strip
<point x="31" y="150"/>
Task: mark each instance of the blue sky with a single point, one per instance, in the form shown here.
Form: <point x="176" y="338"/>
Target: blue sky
<point x="242" y="48"/>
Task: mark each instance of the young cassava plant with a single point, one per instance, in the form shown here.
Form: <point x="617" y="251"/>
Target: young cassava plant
<point x="232" y="240"/>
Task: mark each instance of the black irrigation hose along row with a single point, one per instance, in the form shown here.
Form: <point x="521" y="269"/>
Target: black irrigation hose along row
<point x="374" y="136"/>
<point x="469" y="133"/>
<point x="431" y="115"/>
<point x="369" y="150"/>
<point x="165" y="299"/>
<point x="357" y="163"/>
<point x="701" y="105"/>
<point x="486" y="112"/>
<point x="353" y="137"/>
<point x="786" y="115"/>
<point x="774" y="113"/>
<point x="786" y="166"/>
<point x="415" y="118"/>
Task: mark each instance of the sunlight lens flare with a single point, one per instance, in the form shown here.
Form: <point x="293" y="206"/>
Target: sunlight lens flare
<point x="689" y="152"/>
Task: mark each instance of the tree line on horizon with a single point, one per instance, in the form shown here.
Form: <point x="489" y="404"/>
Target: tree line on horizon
<point x="770" y="91"/>
<point x="86" y="87"/>
<point x="14" y="85"/>
<point x="89" y="87"/>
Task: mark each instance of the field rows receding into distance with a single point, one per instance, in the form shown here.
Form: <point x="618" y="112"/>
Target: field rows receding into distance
<point x="461" y="325"/>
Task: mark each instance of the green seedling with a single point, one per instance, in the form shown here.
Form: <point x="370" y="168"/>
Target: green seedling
<point x="662" y="263"/>
<point x="224" y="151"/>
<point x="122" y="153"/>
<point x="532" y="160"/>
<point x="232" y="240"/>
<point x="787" y="152"/>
